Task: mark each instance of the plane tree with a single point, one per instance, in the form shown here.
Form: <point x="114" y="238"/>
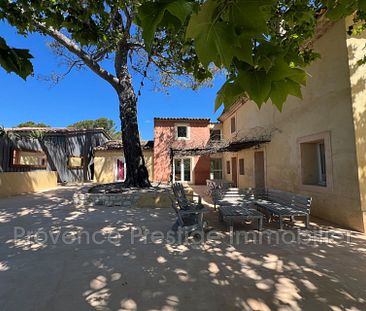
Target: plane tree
<point x="263" y="46"/>
<point x="106" y="37"/>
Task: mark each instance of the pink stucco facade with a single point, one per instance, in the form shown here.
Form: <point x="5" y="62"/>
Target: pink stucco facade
<point x="165" y="138"/>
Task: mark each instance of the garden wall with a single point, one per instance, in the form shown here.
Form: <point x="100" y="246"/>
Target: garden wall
<point x="13" y="183"/>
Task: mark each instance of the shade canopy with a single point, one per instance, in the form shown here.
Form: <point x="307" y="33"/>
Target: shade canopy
<point x="254" y="137"/>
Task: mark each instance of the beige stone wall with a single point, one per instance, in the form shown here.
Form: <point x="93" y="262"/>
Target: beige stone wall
<point x="356" y="51"/>
<point x="23" y="182"/>
<point x="326" y="108"/>
<point x="149" y="161"/>
<point x="105" y="165"/>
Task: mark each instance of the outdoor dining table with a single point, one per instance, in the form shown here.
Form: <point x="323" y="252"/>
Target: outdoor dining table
<point x="236" y="213"/>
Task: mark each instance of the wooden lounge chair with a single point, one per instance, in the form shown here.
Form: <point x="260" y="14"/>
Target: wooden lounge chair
<point x="181" y="197"/>
<point x="188" y="221"/>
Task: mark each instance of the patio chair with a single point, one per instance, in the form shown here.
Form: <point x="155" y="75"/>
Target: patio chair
<point x="183" y="202"/>
<point x="188" y="221"/>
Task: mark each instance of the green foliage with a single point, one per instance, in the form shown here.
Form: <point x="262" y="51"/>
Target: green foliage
<point x="116" y="136"/>
<point x="35" y="135"/>
<point x="32" y="124"/>
<point x="104" y="123"/>
<point x="15" y="60"/>
<point x="262" y="45"/>
<point x="172" y="13"/>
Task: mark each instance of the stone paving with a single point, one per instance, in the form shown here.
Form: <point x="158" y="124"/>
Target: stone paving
<point x="117" y="258"/>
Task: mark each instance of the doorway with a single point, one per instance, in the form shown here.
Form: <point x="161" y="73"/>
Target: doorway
<point x="121" y="170"/>
<point x="234" y="173"/>
<point x="259" y="169"/>
<point x="182" y="170"/>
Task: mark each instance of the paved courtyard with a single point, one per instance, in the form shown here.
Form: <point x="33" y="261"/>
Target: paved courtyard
<point x="109" y="265"/>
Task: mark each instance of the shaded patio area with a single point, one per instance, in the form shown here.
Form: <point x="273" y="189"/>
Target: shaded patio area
<point x="128" y="268"/>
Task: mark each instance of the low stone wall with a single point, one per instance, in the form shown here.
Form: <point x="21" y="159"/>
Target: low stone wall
<point x="13" y="183"/>
<point x="129" y="198"/>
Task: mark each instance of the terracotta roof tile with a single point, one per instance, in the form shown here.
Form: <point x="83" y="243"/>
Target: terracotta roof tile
<point x="53" y="129"/>
<point x="183" y="119"/>
<point x="118" y="145"/>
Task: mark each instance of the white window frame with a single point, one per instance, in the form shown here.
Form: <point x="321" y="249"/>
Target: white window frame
<point x="188" y="131"/>
<point x="217" y="170"/>
<point x="182" y="170"/>
<point x="116" y="168"/>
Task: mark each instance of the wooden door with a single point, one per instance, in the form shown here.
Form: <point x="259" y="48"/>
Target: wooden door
<point x="120" y="170"/>
<point x="234" y="171"/>
<point x="259" y="169"/>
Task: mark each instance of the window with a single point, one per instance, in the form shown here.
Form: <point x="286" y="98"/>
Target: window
<point x="182" y="132"/>
<point x="322" y="164"/>
<point x="232" y="125"/>
<point x="227" y="167"/>
<point x="241" y="167"/>
<point x="29" y="158"/>
<point x="216" y="168"/>
<point x="215" y="135"/>
<point x="313" y="163"/>
<point x="75" y="162"/>
<point x="182" y="170"/>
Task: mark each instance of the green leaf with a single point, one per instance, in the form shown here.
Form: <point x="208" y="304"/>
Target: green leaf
<point x="251" y="16"/>
<point x="217" y="41"/>
<point x="229" y="93"/>
<point x="206" y="49"/>
<point x="298" y="75"/>
<point x="15" y="60"/>
<point x="256" y="84"/>
<point x="280" y="70"/>
<point x="278" y="94"/>
<point x="244" y="51"/>
<point x="340" y="8"/>
<point x="226" y="41"/>
<point x="201" y="21"/>
<point x="167" y="13"/>
<point x="362" y="5"/>
<point x="281" y="89"/>
<point x="293" y="88"/>
<point x="180" y="9"/>
<point x="150" y="15"/>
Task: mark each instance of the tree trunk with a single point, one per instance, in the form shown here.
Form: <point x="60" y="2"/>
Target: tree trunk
<point x="136" y="172"/>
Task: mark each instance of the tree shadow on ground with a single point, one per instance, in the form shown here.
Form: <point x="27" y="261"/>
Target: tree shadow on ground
<point x="132" y="263"/>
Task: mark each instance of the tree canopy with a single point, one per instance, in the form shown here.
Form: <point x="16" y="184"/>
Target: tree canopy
<point x="92" y="33"/>
<point x="32" y="124"/>
<point x="263" y="45"/>
<point x="104" y="123"/>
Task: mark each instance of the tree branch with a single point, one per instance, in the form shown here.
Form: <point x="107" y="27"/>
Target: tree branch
<point x="75" y="49"/>
<point x="128" y="25"/>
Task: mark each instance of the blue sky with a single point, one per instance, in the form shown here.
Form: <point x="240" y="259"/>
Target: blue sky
<point x="83" y="95"/>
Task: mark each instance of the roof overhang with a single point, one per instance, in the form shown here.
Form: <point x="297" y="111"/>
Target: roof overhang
<point x="252" y="138"/>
